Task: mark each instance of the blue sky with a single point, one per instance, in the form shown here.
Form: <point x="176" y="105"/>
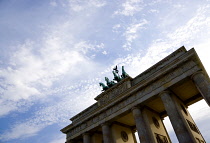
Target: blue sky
<point x="53" y="54"/>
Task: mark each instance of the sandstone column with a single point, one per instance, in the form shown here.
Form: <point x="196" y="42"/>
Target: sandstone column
<point x="144" y="135"/>
<point x="178" y="121"/>
<point x="107" y="134"/>
<point x="203" y="85"/>
<point x="86" y="138"/>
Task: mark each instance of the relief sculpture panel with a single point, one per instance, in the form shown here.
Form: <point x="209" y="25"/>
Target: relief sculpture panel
<point x="113" y="93"/>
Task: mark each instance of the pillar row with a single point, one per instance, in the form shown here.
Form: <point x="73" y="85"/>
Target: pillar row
<point x="203" y="85"/>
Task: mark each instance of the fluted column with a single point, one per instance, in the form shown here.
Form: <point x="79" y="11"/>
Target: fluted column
<point x="178" y="122"/>
<point x="86" y="138"/>
<point x="144" y="135"/>
<point x="107" y="134"/>
<point x="203" y="85"/>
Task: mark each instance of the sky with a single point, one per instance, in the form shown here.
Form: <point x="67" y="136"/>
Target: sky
<point x="53" y="54"/>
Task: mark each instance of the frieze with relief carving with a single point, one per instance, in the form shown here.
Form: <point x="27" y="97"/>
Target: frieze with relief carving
<point x="111" y="94"/>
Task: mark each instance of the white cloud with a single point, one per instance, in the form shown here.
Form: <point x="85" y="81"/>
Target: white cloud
<point x="98" y="3"/>
<point x="58" y="110"/>
<point x="53" y="3"/>
<point x="28" y="68"/>
<point x="85" y="47"/>
<point x="196" y="109"/>
<point x="28" y="73"/>
<point x="178" y="6"/>
<point x="153" y="11"/>
<point x="151" y="3"/>
<point x="116" y="27"/>
<point x="169" y="42"/>
<point x="6" y="108"/>
<point x="79" y="5"/>
<point x="192" y="27"/>
<point x="160" y="48"/>
<point x="141" y="62"/>
<point x="130" y="7"/>
<point x="132" y="32"/>
<point x="36" y="66"/>
<point x="20" y="131"/>
<point x="59" y="139"/>
<point x="104" y="52"/>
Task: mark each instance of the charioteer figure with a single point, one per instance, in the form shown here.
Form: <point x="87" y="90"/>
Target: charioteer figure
<point x="117" y="78"/>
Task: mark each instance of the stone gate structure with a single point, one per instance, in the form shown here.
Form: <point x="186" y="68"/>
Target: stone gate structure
<point x="140" y="104"/>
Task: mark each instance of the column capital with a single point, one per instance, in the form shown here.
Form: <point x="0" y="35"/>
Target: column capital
<point x="140" y="107"/>
<point x="202" y="83"/>
<point x="135" y="107"/>
<point x="106" y="124"/>
<point x="196" y="73"/>
<point x="141" y="126"/>
<point x="164" y="92"/>
<point x="86" y="133"/>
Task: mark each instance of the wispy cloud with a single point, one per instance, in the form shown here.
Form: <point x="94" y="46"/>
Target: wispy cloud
<point x="53" y="3"/>
<point x="58" y="139"/>
<point x="195" y="25"/>
<point x="153" y="11"/>
<point x="20" y="131"/>
<point x="58" y="110"/>
<point x="85" y="47"/>
<point x="130" y="7"/>
<point x="37" y="66"/>
<point x="28" y="73"/>
<point x="116" y="28"/>
<point x="132" y="32"/>
<point x="170" y="41"/>
<point x="104" y="52"/>
<point x="79" y="5"/>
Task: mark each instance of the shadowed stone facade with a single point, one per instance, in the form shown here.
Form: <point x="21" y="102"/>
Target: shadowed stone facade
<point x="140" y="104"/>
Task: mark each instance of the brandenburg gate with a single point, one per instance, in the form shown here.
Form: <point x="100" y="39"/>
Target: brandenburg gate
<point x="140" y="104"/>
